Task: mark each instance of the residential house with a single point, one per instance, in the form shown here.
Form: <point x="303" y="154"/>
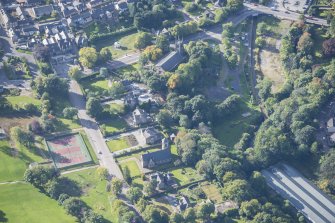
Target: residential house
<point x="104" y="12"/>
<point x="163" y="180"/>
<point x="331" y="125"/>
<point x="156" y="158"/>
<point x="67" y="10"/>
<point x="183" y="203"/>
<point x="29" y="31"/>
<point x="81" y="41"/>
<point x="94" y="3"/>
<point x="79" y="6"/>
<point x="39" y="11"/>
<point x="121" y="6"/>
<point x="80" y="20"/>
<point x="6" y="20"/>
<point x="30" y="2"/>
<point x="3" y="134"/>
<point x="60" y="43"/>
<point x="151" y="135"/>
<point x="140" y="117"/>
<point x="130" y="100"/>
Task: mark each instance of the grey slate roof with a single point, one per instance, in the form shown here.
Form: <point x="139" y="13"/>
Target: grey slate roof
<point x="171" y="61"/>
<point x="157" y="156"/>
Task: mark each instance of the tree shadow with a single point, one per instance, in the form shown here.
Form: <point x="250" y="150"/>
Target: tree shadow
<point x="69" y="187"/>
<point x="3" y="216"/>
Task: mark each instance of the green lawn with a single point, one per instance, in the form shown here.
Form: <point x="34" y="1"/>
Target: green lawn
<point x="185" y="175"/>
<point x="174" y="150"/>
<point x="133" y="168"/>
<point x="212" y="192"/>
<point x="126" y="42"/>
<point x="25" y="204"/>
<point x="118" y="144"/>
<point x="115" y="109"/>
<point x="20" y="101"/>
<point x="11" y="168"/>
<point x="113" y="125"/>
<point x="89" y="146"/>
<point x="96" y="86"/>
<point x="94" y="192"/>
<point x="230" y="129"/>
<point x="67" y="124"/>
<point x="135" y="172"/>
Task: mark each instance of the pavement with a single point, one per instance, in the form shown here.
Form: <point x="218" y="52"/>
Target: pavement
<point x="302" y="194"/>
<point x="93" y="132"/>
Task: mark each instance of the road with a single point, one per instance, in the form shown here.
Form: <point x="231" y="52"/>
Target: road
<point x="92" y="130"/>
<point x="215" y="31"/>
<point x="304" y="196"/>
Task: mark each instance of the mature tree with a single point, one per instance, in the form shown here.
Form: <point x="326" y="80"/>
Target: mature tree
<point x="70" y="112"/>
<point x="50" y="85"/>
<point x="163" y="43"/>
<point x="126" y="175"/>
<point x="327" y="169"/>
<point x="88" y="56"/>
<point x="22" y="137"/>
<point x="40" y="175"/>
<point x="176" y="218"/>
<point x="41" y="52"/>
<point x="164" y="118"/>
<point x="116" y="186"/>
<point x="134" y="194"/>
<point x="116" y="89"/>
<point x="152" y="214"/>
<point x="75" y="72"/>
<point x="205" y="210"/>
<point x="191" y="7"/>
<point x="143" y="40"/>
<point x="249" y="209"/>
<point x="150" y="187"/>
<point x="74" y="206"/>
<point x="305" y="43"/>
<point x="102" y="172"/>
<point x="190" y="215"/>
<point x="329" y="47"/>
<point x="152" y="53"/>
<point x="105" y="54"/>
<point x="237" y="190"/>
<point x="94" y="107"/>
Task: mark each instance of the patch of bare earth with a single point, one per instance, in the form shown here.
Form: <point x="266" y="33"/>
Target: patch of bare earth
<point x="271" y="68"/>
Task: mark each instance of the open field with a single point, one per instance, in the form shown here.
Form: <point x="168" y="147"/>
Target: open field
<point x="94" y="192"/>
<point x="20" y="101"/>
<point x="270" y="63"/>
<point x="126" y="42"/>
<point x="25" y="204"/>
<point x="114" y="108"/>
<point x="230" y="129"/>
<point x="11" y="166"/>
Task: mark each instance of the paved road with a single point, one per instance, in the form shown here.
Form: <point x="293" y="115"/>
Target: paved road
<point x="124" y="61"/>
<point x="214" y="32"/>
<point x="304" y="196"/>
<point x="93" y="132"/>
<point x="281" y="14"/>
